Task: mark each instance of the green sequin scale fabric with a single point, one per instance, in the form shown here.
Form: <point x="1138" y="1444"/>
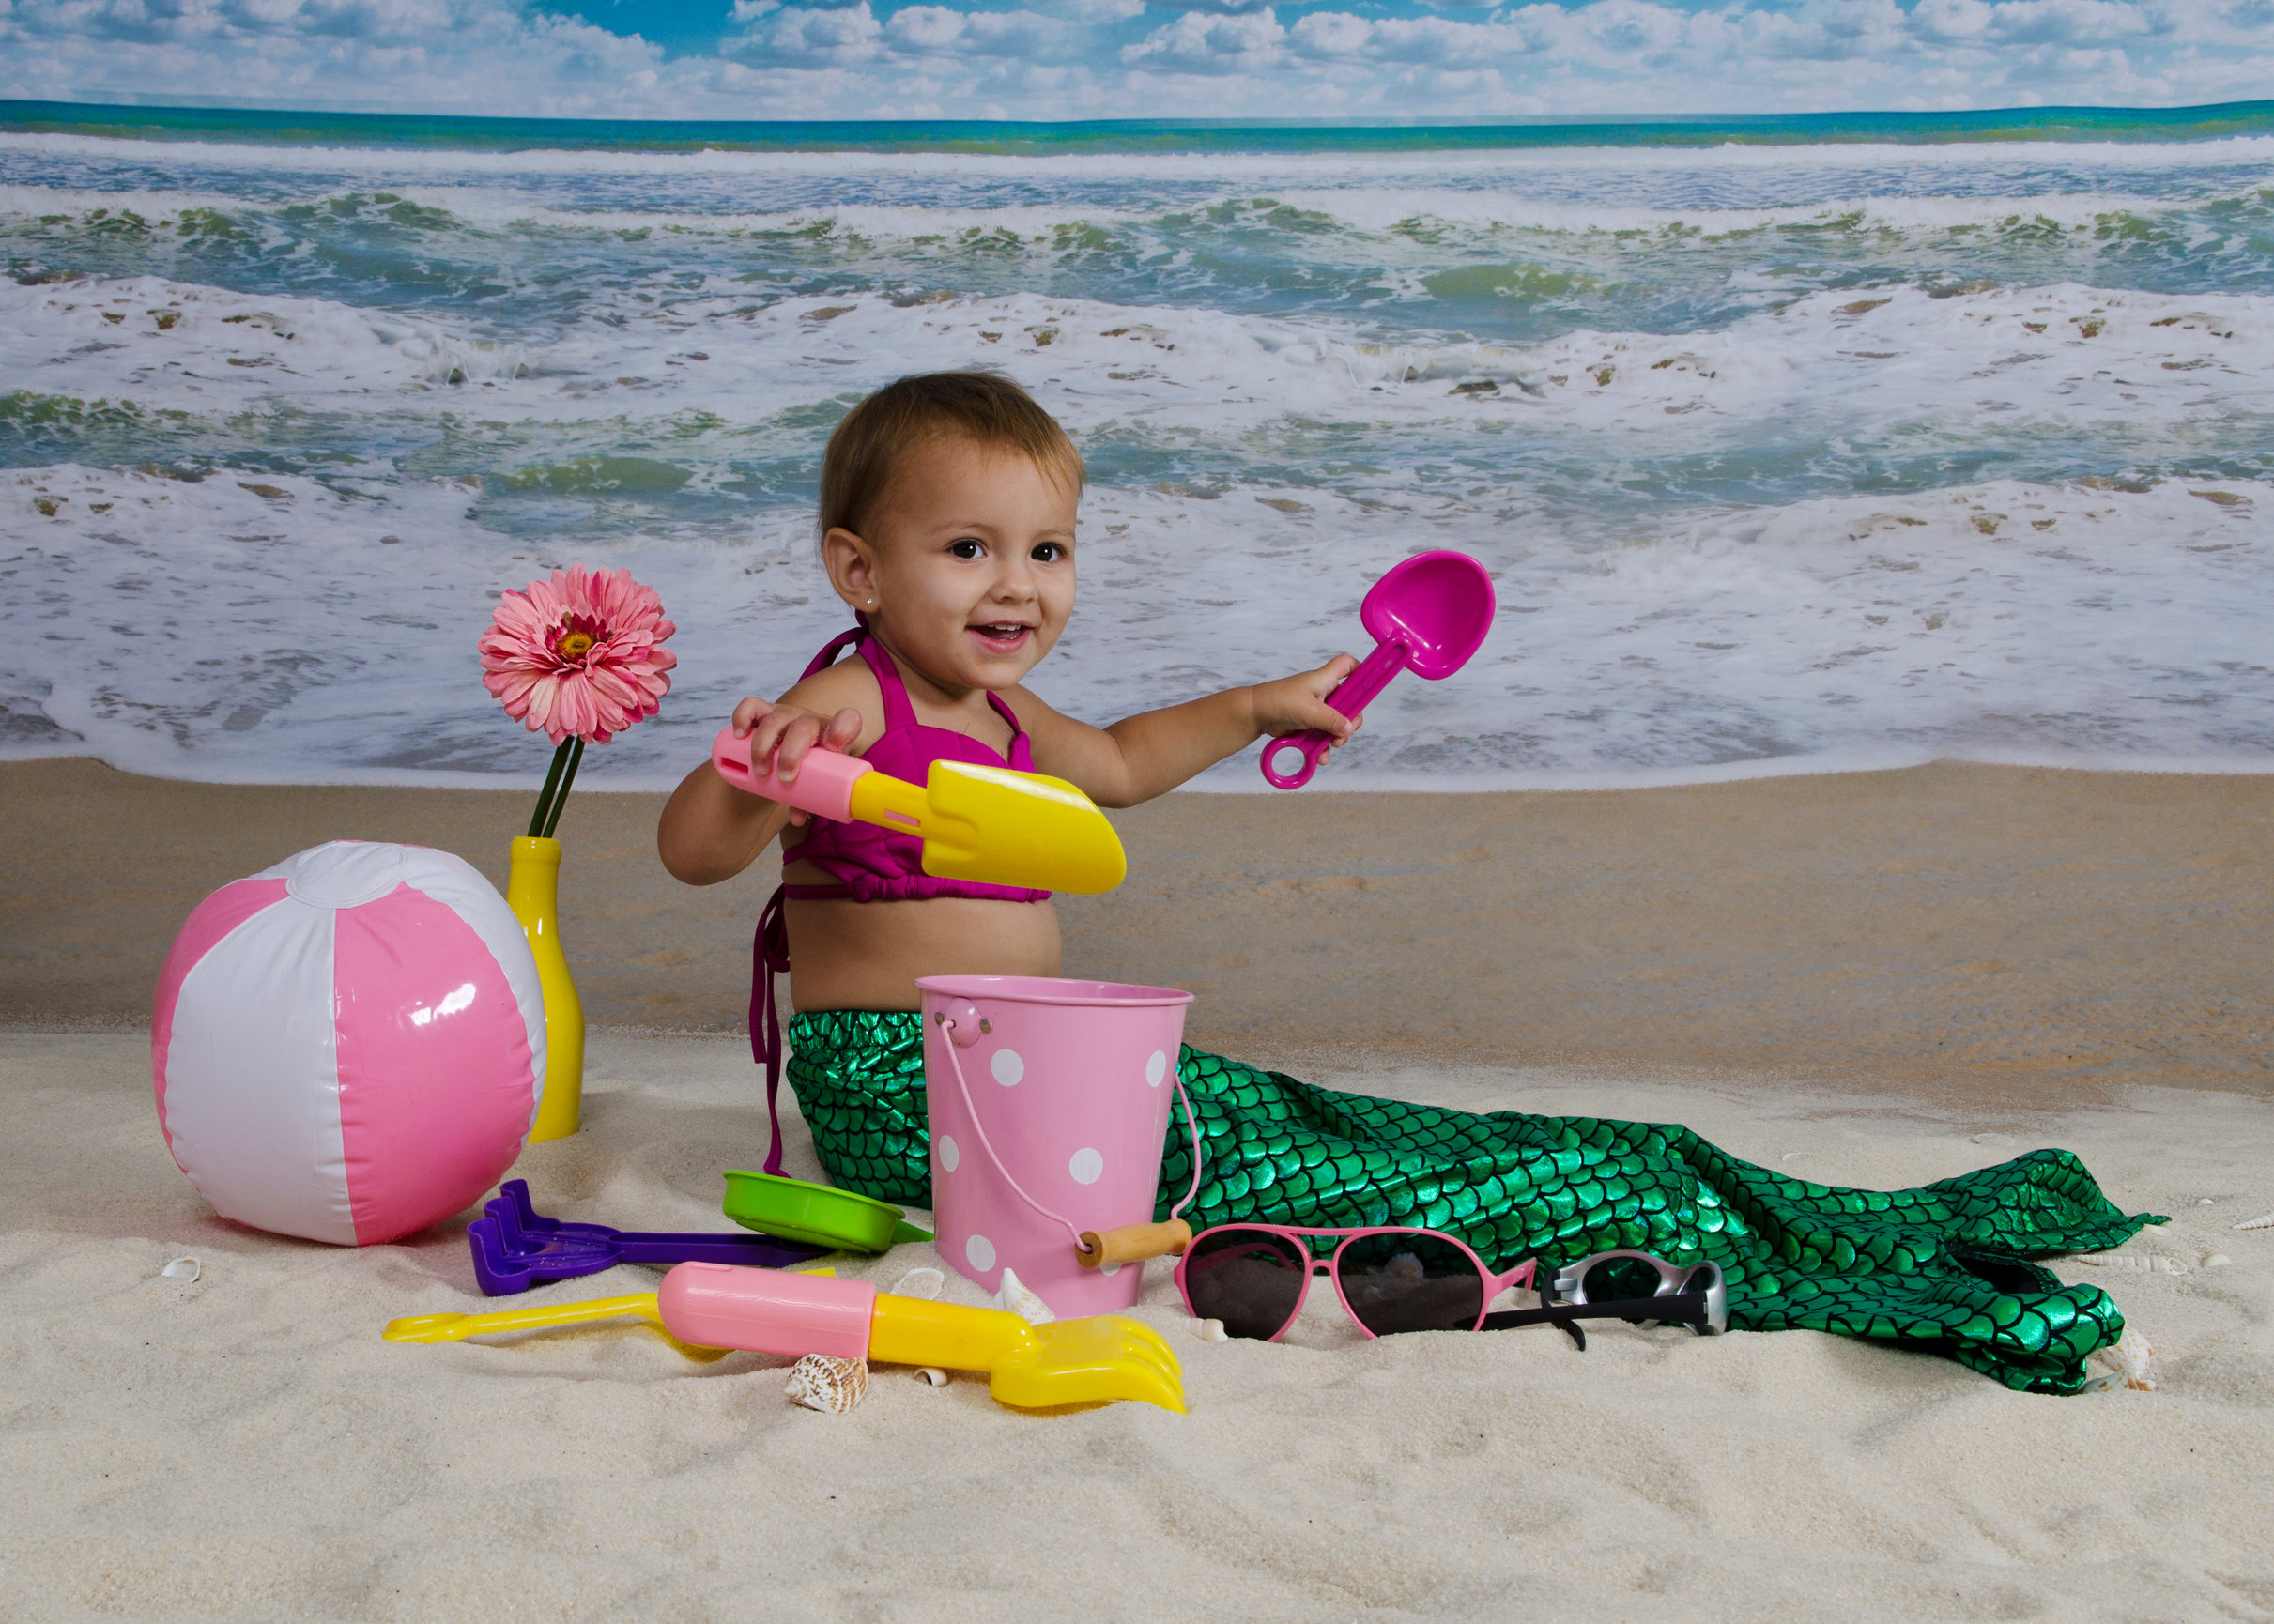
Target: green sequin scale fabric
<point x="1940" y="1268"/>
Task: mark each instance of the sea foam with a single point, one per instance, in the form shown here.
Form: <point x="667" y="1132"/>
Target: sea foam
<point x="1782" y="459"/>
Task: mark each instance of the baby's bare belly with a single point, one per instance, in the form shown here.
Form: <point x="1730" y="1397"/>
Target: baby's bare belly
<point x="866" y="954"/>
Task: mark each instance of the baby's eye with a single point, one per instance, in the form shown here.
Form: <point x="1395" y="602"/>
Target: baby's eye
<point x="966" y="548"/>
<point x="1048" y="552"/>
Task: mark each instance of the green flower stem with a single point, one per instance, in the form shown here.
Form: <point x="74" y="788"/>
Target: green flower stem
<point x="538" y="829"/>
<point x="576" y="754"/>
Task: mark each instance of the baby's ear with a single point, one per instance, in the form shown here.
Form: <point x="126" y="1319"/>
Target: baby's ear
<point x="851" y="561"/>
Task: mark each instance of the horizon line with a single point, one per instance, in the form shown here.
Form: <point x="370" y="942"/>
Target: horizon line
<point x="28" y="116"/>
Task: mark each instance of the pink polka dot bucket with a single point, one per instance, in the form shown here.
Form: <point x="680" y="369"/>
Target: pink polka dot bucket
<point x="1050" y="1103"/>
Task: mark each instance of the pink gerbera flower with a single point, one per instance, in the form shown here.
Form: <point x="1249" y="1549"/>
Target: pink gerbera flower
<point x="579" y="654"/>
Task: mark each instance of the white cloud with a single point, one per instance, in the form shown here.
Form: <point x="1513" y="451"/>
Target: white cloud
<point x="1951" y="19"/>
<point x="925" y="28"/>
<point x="815" y="36"/>
<point x="1340" y="36"/>
<point x="1214" y="7"/>
<point x="1245" y="42"/>
<point x="922" y="30"/>
<point x="1331" y="34"/>
<point x="2067" y="22"/>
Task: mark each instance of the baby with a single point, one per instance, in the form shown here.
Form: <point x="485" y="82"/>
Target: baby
<point x="948" y="527"/>
<point x="947" y="519"/>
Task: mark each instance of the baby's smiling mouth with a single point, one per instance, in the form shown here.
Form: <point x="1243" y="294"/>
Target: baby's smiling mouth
<point x="1004" y="635"/>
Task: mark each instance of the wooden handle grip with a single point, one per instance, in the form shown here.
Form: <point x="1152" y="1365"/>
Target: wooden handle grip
<point x="1134" y="1242"/>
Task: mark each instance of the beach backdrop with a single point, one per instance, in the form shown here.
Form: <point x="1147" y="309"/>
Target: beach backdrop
<point x="1793" y="443"/>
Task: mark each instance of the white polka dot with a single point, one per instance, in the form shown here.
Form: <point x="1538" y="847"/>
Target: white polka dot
<point x="1086" y="1166"/>
<point x="950" y="1155"/>
<point x="1007" y="1065"/>
<point x="982" y="1252"/>
<point x="1109" y="1268"/>
<point x="1156" y="1068"/>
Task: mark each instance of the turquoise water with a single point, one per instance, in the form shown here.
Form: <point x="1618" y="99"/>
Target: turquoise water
<point x="1124" y="135"/>
<point x="1794" y="442"/>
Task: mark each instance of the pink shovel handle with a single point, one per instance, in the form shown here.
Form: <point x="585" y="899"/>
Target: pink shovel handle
<point x="823" y="785"/>
<point x="1311" y="746"/>
<point x="1351" y="696"/>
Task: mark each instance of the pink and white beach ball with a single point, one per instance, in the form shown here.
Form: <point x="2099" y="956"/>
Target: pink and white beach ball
<point x="348" y="1046"/>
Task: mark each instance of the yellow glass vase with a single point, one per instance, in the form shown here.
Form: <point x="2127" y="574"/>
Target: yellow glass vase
<point x="533" y="891"/>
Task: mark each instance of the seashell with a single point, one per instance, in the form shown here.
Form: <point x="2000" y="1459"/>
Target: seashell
<point x="931" y="1376"/>
<point x="825" y="1383"/>
<point x="2140" y="1263"/>
<point x="2207" y="1201"/>
<point x="1015" y="1297"/>
<point x="921" y="1283"/>
<point x="1211" y="1332"/>
<point x="1993" y="1139"/>
<point x="2217" y="1261"/>
<point x="183" y="1269"/>
<point x="2128" y="1361"/>
<point x="2259" y="1223"/>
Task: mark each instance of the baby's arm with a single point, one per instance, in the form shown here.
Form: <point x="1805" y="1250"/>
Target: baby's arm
<point x="709" y="830"/>
<point x="1150" y="753"/>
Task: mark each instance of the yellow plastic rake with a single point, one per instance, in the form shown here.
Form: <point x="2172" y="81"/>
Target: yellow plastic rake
<point x="710" y="1308"/>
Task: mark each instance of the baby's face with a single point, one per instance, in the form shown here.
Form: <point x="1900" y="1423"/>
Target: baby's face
<point x="970" y="559"/>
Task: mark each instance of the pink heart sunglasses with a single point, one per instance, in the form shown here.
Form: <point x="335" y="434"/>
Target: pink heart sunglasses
<point x="1255" y="1278"/>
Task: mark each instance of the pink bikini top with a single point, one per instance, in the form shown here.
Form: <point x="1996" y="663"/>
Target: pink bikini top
<point x="870" y="865"/>
<point x="873" y="864"/>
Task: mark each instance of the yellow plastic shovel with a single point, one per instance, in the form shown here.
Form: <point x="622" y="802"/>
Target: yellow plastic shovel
<point x="988" y="824"/>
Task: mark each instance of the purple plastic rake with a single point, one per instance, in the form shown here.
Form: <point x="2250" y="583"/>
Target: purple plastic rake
<point x="516" y="1246"/>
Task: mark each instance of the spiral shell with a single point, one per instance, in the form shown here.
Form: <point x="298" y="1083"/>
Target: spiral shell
<point x="822" y="1381"/>
<point x="2142" y="1263"/>
<point x="2258" y="1224"/>
<point x="1016" y="1297"/>
<point x="2125" y="1364"/>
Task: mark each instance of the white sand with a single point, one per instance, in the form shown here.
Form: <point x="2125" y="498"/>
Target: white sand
<point x="247" y="1447"/>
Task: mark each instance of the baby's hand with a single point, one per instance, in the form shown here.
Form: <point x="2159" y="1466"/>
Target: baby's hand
<point x="1295" y="704"/>
<point x="783" y="733"/>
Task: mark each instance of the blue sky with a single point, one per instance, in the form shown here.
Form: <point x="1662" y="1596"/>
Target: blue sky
<point x="1137" y="58"/>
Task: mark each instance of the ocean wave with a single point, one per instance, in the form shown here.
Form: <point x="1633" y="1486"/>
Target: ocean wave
<point x="281" y="629"/>
<point x="2222" y="152"/>
<point x="1421" y="264"/>
<point x="1370" y="212"/>
<point x="1872" y="361"/>
<point x="1784" y="459"/>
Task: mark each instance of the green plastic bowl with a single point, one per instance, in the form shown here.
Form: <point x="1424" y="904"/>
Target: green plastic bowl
<point x="791" y="1209"/>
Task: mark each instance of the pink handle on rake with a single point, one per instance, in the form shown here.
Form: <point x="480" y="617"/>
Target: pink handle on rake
<point x="1351" y="696"/>
<point x="767" y="1311"/>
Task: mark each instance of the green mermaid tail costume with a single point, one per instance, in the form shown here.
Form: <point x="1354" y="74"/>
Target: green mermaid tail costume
<point x="1940" y="1268"/>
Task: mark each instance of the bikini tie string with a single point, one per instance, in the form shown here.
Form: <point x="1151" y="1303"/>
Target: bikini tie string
<point x="771" y="949"/>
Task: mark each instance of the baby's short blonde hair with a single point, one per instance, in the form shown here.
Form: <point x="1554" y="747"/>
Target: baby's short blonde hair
<point x="983" y="406"/>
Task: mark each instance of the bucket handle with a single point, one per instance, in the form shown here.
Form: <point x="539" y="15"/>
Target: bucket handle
<point x="955" y="1064"/>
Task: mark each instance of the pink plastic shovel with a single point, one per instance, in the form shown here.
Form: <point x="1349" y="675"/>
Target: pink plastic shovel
<point x="1426" y="616"/>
